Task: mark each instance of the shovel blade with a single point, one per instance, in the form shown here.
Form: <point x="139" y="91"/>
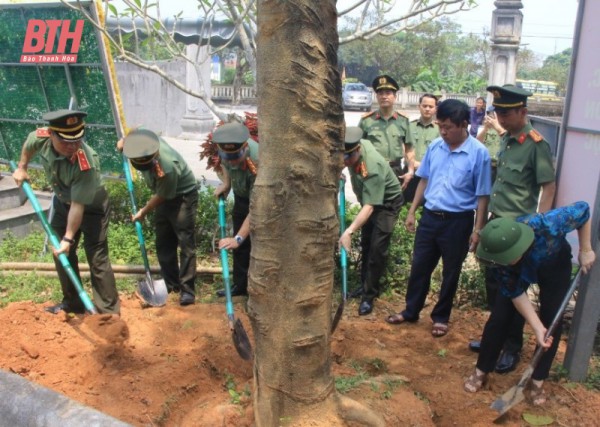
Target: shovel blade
<point x="153" y="292"/>
<point x="241" y="340"/>
<point x="337" y="316"/>
<point x="511" y="398"/>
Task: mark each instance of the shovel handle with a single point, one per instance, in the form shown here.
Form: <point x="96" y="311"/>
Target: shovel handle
<point x="343" y="254"/>
<point x="64" y="260"/>
<point x="225" y="263"/>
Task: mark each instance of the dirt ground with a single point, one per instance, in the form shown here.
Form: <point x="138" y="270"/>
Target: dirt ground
<point x="179" y="367"/>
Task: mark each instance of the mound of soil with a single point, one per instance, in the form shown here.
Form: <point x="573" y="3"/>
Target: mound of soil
<point x="178" y="366"/>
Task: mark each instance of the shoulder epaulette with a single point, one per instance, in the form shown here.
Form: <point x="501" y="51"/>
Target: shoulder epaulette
<point x="82" y="159"/>
<point x="401" y="114"/>
<point x="251" y="166"/>
<point x="535" y="135"/>
<point x="370" y="113"/>
<point x="42" y="133"/>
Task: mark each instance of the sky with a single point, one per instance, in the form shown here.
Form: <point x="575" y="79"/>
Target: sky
<point x="548" y="25"/>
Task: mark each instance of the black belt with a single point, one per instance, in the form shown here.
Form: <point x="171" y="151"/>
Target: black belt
<point x="450" y="215"/>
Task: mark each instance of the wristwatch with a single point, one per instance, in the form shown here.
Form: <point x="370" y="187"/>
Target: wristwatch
<point x="239" y="239"/>
<point x="69" y="241"/>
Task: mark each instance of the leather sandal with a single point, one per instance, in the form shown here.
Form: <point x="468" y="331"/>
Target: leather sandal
<point x="439" y="329"/>
<point x="537" y="394"/>
<point x="395" y="319"/>
<point x="475" y="382"/>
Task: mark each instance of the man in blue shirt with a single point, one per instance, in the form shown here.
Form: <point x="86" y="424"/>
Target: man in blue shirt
<point x="455" y="182"/>
<point x="532" y="249"/>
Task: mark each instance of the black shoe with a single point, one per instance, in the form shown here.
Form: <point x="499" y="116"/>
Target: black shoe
<point x="173" y="289"/>
<point x="186" y="298"/>
<point x="365" y="307"/>
<point x="475" y="346"/>
<point x="55" y="309"/>
<point x="235" y="292"/>
<point x="507" y="362"/>
<point x="356" y="293"/>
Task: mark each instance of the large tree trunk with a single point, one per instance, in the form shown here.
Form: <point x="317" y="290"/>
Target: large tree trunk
<point x="293" y="216"/>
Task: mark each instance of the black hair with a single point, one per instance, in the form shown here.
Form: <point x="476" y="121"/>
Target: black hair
<point x="455" y="110"/>
<point x="428" y="95"/>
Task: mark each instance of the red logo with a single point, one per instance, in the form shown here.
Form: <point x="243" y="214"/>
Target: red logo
<point x="41" y="38"/>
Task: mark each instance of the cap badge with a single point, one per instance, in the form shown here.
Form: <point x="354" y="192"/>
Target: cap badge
<point x="496" y="94"/>
<point x="72" y="120"/>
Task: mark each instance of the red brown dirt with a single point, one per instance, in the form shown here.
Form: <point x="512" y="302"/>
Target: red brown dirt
<point x="174" y="367"/>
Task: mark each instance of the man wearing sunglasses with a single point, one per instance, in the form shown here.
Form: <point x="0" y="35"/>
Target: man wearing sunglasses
<point x="239" y="158"/>
<point x="174" y="202"/>
<point x="81" y="206"/>
<point x="378" y="190"/>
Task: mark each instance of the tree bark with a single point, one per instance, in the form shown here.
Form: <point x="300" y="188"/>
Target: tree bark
<point x="294" y="226"/>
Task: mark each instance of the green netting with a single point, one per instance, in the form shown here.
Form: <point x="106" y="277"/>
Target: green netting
<point x="27" y="91"/>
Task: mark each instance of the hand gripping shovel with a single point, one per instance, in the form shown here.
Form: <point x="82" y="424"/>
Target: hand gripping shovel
<point x="515" y="395"/>
<point x="343" y="258"/>
<point x="239" y="335"/>
<point x="64" y="260"/>
<point x="153" y="292"/>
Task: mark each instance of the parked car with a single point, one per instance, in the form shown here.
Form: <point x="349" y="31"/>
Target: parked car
<point x="357" y="95"/>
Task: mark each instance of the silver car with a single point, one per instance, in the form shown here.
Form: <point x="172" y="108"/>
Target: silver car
<point x="357" y="95"/>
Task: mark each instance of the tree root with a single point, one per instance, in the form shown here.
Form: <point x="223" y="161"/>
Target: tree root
<point x="352" y="411"/>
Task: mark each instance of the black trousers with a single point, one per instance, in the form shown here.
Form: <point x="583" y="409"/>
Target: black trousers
<point x="439" y="235"/>
<point x="376" y="234"/>
<point x="241" y="256"/>
<point x="94" y="227"/>
<point x="554" y="277"/>
<point x="175" y="222"/>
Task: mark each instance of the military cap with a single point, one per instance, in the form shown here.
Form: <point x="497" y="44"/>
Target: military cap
<point x="68" y="124"/>
<point x="384" y="82"/>
<point x="508" y="96"/>
<point x="352" y="138"/>
<point x="503" y="241"/>
<point x="140" y="143"/>
<point x="231" y="138"/>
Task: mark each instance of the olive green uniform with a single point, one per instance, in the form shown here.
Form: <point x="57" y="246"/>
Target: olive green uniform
<point x="375" y="183"/>
<point x="492" y="142"/>
<point x="523" y="166"/>
<point x="388" y="136"/>
<point x="175" y="218"/>
<point x="422" y="134"/>
<point x="242" y="181"/>
<point x="78" y="180"/>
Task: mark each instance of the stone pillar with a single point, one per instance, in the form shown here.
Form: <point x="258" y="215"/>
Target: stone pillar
<point x="198" y="118"/>
<point x="507" y="25"/>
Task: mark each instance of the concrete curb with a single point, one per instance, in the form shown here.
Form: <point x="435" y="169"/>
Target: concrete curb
<point x="24" y="403"/>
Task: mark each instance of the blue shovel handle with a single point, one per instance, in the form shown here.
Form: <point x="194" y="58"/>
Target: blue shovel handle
<point x="225" y="263"/>
<point x="64" y="260"/>
<point x="343" y="254"/>
<point x="138" y="225"/>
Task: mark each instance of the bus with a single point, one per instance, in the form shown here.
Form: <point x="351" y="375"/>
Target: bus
<point x="542" y="90"/>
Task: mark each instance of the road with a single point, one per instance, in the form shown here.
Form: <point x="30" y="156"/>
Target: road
<point x="190" y="149"/>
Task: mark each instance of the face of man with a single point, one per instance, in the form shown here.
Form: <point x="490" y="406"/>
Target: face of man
<point x="386" y="98"/>
<point x="234" y="160"/>
<point x="427" y="108"/>
<point x="512" y="119"/>
<point x="64" y="148"/>
<point x="479" y="104"/>
<point x="452" y="134"/>
<point x="351" y="158"/>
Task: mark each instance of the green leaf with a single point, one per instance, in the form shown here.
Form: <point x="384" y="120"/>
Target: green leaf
<point x="538" y="420"/>
<point x="113" y="10"/>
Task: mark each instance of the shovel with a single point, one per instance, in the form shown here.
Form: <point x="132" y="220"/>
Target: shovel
<point x="239" y="335"/>
<point x="515" y="395"/>
<point x="343" y="258"/>
<point x="153" y="292"/>
<point x="62" y="257"/>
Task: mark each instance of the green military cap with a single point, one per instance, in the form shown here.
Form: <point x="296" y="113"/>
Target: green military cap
<point x="140" y="143"/>
<point x="384" y="82"/>
<point x="508" y="96"/>
<point x="68" y="124"/>
<point x="352" y="138"/>
<point x="503" y="241"/>
<point x="231" y="137"/>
